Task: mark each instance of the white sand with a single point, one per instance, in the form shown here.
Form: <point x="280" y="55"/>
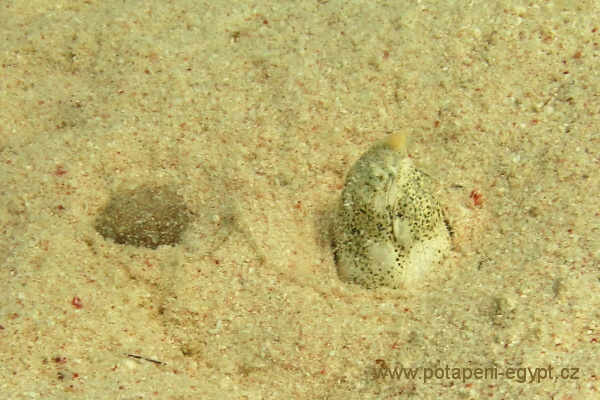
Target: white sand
<point x="255" y="113"/>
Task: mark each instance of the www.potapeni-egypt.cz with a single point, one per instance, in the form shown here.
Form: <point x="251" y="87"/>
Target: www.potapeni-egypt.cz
<point x="520" y="374"/>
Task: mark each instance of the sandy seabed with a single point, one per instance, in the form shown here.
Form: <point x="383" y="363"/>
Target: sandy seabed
<point x="253" y="113"/>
